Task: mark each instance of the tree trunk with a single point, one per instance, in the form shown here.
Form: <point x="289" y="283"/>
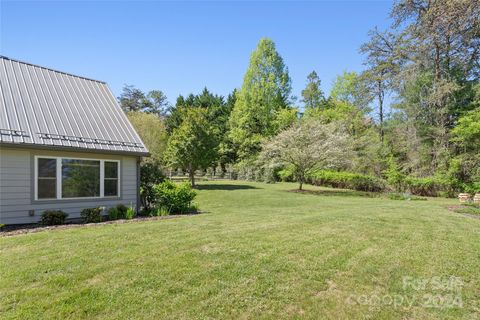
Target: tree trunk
<point x="192" y="176"/>
<point x="380" y="108"/>
<point x="223" y="169"/>
<point x="437" y="62"/>
<point x="300" y="180"/>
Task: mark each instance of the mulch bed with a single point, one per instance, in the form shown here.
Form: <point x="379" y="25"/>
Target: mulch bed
<point x="12" y="230"/>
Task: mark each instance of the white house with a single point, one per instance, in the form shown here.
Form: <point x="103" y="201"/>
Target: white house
<point x="65" y="144"/>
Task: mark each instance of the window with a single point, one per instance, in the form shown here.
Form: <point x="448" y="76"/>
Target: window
<point x="47" y="178"/>
<point x="111" y="179"/>
<point x="66" y="178"/>
<point x="80" y="178"/>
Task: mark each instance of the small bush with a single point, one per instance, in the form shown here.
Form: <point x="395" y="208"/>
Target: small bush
<point x="346" y="180"/>
<point x="92" y="215"/>
<point x="122" y="211"/>
<point x="177" y="198"/>
<point x="160" y="212"/>
<point x="130" y="213"/>
<point x="53" y="217"/>
<point x="113" y="213"/>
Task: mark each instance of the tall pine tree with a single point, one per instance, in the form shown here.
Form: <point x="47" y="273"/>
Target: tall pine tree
<point x="312" y="95"/>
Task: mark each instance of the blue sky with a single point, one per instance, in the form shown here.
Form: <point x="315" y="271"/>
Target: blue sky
<point x="181" y="47"/>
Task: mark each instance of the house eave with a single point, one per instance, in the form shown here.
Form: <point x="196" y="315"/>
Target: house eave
<point x="65" y="148"/>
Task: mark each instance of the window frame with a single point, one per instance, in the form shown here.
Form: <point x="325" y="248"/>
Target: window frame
<point x="59" y="181"/>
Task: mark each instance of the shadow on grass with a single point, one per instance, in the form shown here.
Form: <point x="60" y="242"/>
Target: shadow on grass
<point x="227" y="187"/>
<point x="339" y="193"/>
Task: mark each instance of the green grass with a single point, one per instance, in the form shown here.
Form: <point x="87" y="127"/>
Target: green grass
<point x="468" y="209"/>
<point x="258" y="251"/>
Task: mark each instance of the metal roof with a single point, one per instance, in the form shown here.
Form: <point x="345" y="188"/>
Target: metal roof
<point x="49" y="108"/>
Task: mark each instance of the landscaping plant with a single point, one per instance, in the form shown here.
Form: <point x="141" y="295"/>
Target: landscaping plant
<point x="92" y="215"/>
<point x="53" y="217"/>
<point x="176" y="198"/>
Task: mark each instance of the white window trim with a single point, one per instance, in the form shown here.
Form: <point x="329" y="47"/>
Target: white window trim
<point x="59" y="178"/>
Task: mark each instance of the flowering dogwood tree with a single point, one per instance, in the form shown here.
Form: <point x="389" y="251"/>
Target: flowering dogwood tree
<point x="309" y="145"/>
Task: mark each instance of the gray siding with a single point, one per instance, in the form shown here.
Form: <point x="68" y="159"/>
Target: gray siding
<point x="17" y="180"/>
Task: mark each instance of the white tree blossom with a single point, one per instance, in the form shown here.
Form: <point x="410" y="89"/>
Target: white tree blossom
<point x="310" y="145"/>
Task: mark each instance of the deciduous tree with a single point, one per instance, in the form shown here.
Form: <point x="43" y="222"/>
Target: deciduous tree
<point x="193" y="145"/>
<point x="309" y="145"/>
<point x="265" y="91"/>
<point x="152" y="130"/>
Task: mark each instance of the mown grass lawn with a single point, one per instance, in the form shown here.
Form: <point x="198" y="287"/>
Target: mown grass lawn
<point x="258" y="251"/>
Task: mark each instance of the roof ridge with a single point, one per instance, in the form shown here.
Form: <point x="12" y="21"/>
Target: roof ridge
<point x="47" y="68"/>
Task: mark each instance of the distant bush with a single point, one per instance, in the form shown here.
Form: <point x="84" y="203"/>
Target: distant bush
<point x="286" y="174"/>
<point x="395" y="178"/>
<point x="429" y="186"/>
<point x="176" y="198"/>
<point x="346" y="180"/>
<point x="92" y="215"/>
<point x="53" y="217"/>
<point x="473" y="187"/>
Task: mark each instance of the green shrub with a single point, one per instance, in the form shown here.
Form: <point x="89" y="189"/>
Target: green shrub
<point x="113" y="213"/>
<point x="394" y="176"/>
<point x="150" y="175"/>
<point x="176" y="197"/>
<point x="130" y="213"/>
<point x="92" y="215"/>
<point x="286" y="174"/>
<point x="345" y="180"/>
<point x="160" y="212"/>
<point x="122" y="211"/>
<point x="53" y="217"/>
<point x="473" y="187"/>
<point x="429" y="186"/>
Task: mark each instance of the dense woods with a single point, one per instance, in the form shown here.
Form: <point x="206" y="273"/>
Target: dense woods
<point x="411" y="118"/>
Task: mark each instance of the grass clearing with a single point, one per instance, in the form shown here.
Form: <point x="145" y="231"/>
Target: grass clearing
<point x="258" y="251"/>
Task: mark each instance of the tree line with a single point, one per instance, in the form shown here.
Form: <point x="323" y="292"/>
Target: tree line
<point x="414" y="111"/>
